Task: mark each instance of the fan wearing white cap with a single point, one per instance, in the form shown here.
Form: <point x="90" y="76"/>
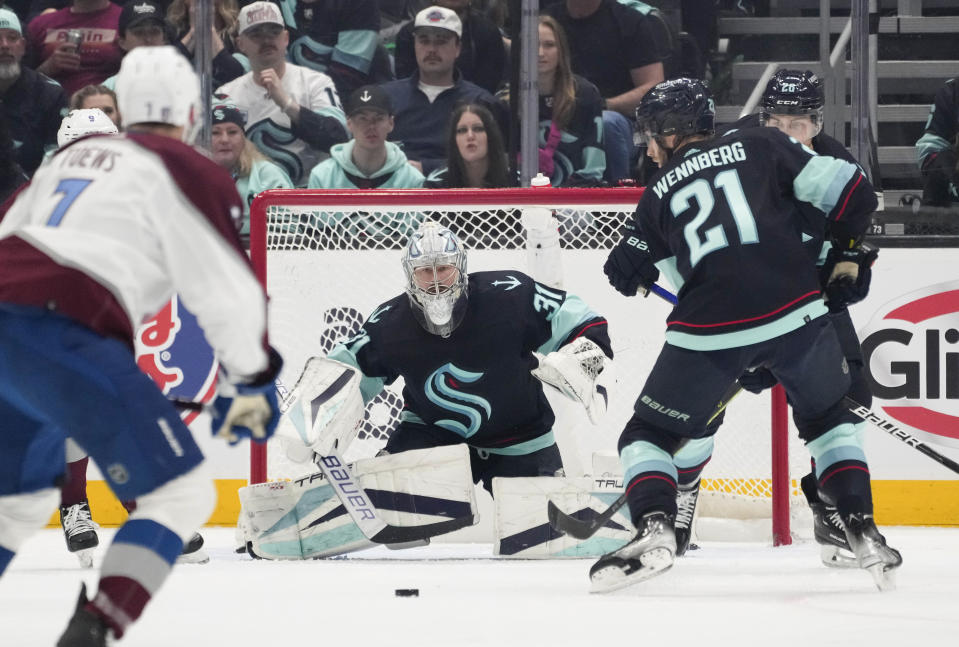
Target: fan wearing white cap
<point x="293" y="112"/>
<point x="83" y="122"/>
<point x="104" y="235"/>
<point x="424" y="101"/>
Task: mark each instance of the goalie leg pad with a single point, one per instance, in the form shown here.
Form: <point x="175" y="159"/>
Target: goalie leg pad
<point x="303" y="518"/>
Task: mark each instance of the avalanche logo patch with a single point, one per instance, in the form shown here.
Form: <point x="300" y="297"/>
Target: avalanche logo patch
<point x="171" y="349"/>
<point x="911" y="352"/>
<point x="443" y="390"/>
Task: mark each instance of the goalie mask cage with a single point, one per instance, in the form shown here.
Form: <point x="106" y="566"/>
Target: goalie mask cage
<point x="329" y="257"/>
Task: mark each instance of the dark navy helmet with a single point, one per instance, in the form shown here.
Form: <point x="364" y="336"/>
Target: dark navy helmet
<point x="680" y="107"/>
<point x="793" y="92"/>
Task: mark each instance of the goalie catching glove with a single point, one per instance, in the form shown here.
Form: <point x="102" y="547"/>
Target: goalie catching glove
<point x="248" y="410"/>
<point x="580" y="370"/>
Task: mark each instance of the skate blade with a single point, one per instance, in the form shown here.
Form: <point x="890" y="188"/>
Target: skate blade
<point x="835" y="557"/>
<point x="196" y="557"/>
<point x="885" y="579"/>
<point x="85" y="557"/>
<point x="612" y="578"/>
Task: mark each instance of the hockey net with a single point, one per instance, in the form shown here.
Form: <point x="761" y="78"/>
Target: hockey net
<point x="329" y="257"/>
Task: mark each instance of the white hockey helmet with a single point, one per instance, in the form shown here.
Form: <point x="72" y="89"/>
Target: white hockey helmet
<point x="84" y="121"/>
<point x="436" y="281"/>
<point x="158" y="85"/>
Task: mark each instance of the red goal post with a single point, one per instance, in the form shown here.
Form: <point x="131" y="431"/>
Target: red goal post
<point x="329" y="257"/>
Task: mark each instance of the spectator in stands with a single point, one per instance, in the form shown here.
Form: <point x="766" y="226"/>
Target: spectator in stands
<point x="616" y="46"/>
<point x="97" y="96"/>
<point x="423" y="102"/>
<point x="482" y="58"/>
<point x="570" y="114"/>
<point x="76" y="45"/>
<point x="936" y="149"/>
<point x="250" y="168"/>
<point x="32" y="104"/>
<point x="367" y="161"/>
<point x="11" y="175"/>
<point x="226" y="66"/>
<point x="477" y="156"/>
<point x="293" y="113"/>
<point x="142" y="23"/>
<point x="335" y="37"/>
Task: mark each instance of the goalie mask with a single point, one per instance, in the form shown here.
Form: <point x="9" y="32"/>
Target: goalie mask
<point x="435" y="267"/>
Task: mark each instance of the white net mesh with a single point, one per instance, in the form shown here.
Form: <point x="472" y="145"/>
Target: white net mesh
<point x="332" y="257"/>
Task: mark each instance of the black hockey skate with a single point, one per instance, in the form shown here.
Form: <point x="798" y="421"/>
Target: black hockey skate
<point x="686" y="498"/>
<point x="85" y="629"/>
<point x="193" y="552"/>
<point x="834" y="549"/>
<point x="871" y="550"/>
<point x="79" y="531"/>
<point x="647" y="555"/>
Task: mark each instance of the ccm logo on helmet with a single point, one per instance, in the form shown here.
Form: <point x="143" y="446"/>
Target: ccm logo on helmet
<point x="911" y="352"/>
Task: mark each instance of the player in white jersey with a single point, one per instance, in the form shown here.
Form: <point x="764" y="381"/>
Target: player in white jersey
<point x="293" y="112"/>
<point x="100" y="239"/>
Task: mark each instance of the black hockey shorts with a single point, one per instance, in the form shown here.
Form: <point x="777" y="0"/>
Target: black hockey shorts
<point x="681" y="392"/>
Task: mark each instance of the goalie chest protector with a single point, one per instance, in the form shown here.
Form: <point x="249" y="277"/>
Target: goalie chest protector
<point x="476" y="383"/>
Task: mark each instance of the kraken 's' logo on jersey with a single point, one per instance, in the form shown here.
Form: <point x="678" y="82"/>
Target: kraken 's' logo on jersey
<point x="310" y="53"/>
<point x="275" y="141"/>
<point x="442" y="389"/>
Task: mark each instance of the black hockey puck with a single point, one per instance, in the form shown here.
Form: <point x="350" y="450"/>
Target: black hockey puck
<point x="407" y="593"/>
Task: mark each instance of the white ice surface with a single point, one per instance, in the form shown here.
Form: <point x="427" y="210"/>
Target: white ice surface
<point x="735" y="595"/>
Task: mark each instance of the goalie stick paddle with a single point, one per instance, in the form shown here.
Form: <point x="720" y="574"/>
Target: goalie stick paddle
<point x="586" y="528"/>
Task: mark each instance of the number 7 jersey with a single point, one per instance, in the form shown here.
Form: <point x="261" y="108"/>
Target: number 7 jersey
<point x="111" y="226"/>
<point x="723" y="222"/>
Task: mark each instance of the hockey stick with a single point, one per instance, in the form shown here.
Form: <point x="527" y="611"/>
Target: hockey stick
<point x="586" y="528"/>
<point x="894" y="430"/>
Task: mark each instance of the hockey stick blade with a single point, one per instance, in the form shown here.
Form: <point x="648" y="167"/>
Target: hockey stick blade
<point x="579" y="528"/>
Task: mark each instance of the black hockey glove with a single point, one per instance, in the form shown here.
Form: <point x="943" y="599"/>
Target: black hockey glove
<point x="757" y="380"/>
<point x="846" y="275"/>
<point x="629" y="265"/>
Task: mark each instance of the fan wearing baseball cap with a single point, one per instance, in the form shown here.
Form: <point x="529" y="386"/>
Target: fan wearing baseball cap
<point x="252" y="171"/>
<point x="424" y="101"/>
<point x="367" y="161"/>
<point x="293" y="113"/>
